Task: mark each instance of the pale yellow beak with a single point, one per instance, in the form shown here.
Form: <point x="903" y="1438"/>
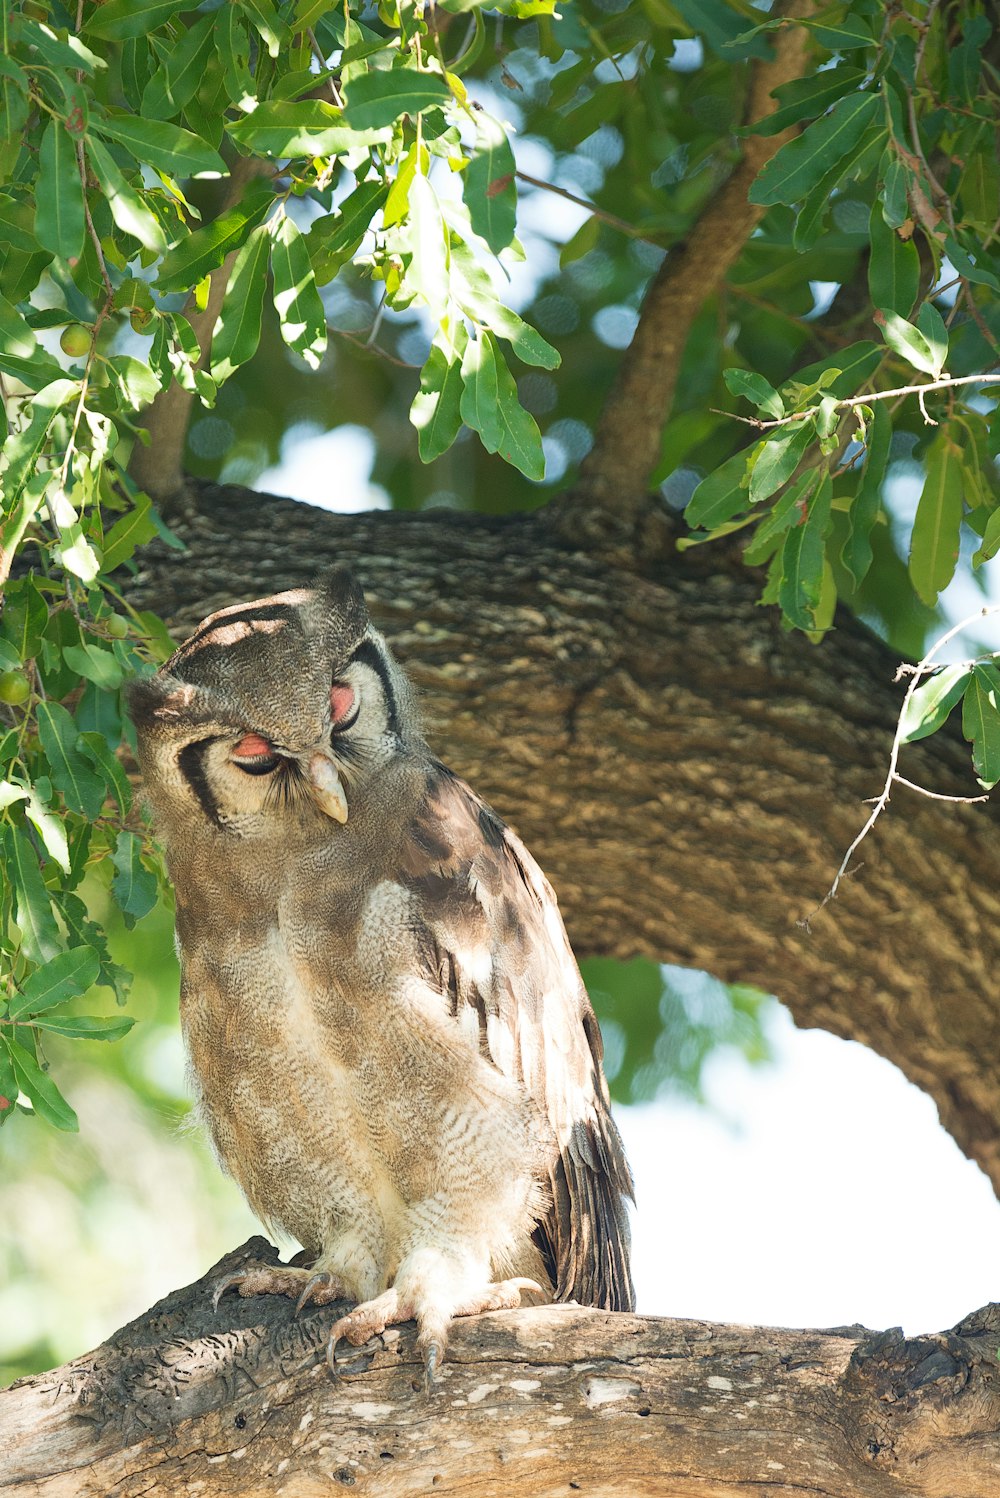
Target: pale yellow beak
<point x="326" y="786"/>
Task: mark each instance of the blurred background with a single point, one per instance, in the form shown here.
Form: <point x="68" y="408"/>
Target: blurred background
<point x="783" y="1177"/>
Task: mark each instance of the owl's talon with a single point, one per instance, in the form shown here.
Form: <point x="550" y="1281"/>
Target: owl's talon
<point x="231" y="1281"/>
<point x="281" y="1279"/>
<point x="320" y="1288"/>
<point x="433" y="1353"/>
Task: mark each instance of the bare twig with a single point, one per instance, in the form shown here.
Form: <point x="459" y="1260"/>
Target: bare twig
<point x="947" y="383"/>
<point x="612" y="219"/>
<point x="925" y="667"/>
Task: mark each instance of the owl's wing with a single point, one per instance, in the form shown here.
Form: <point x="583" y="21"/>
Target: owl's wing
<point x="494" y="945"/>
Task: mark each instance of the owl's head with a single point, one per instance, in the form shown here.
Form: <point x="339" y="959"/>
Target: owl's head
<point x="289" y="704"/>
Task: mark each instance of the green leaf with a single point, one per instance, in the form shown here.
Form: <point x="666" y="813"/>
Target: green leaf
<point x="971" y="269"/>
<point x="133" y="886"/>
<point x="800" y="164"/>
<point x="478" y="404"/>
<point x="88" y="1026"/>
<point x="62" y="977"/>
<point x="117" y="782"/>
<point x="436" y="409"/>
<point x="127" y="208"/>
<point x="195" y="256"/>
<point x="520" y="441"/>
<point x="808" y="97"/>
<point x="39" y="932"/>
<point x="895" y="191"/>
<point x="489" y="186"/>
<point x="981" y="723"/>
<point x="46" y="1099"/>
<point x="59" y="217"/>
<point x="16" y="336"/>
<point x="296" y="300"/>
<point x="857" y="551"/>
<point x="376" y="99"/>
<point x="237" y="332"/>
<point x="428" y="271"/>
<point x="935" y="539"/>
<point x="269" y="26"/>
<point x="932" y="701"/>
<point x="132" y="530"/>
<point x="720" y="495"/>
<point x="842" y="374"/>
<point x="125" y="18"/>
<point x="137" y="384"/>
<point x="21" y="451"/>
<point x="163" y="145"/>
<point x="893" y="266"/>
<point x="778" y="457"/>
<point x="333" y="240"/>
<point x="303" y="127"/>
<point x="844" y="36"/>
<point x="82" y="789"/>
<point x="94" y="664"/>
<point x="801" y="586"/>
<point x="788" y="510"/>
<point x="990" y="544"/>
<point x="51" y="831"/>
<point x="76" y="554"/>
<point x="756" y="389"/>
<point x="931" y="324"/>
<point x="181" y="73"/>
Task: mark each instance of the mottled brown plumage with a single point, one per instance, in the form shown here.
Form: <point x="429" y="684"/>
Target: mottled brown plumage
<point x="394" y="1049"/>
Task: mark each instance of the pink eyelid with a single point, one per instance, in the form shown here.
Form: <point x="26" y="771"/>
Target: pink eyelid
<point x="341" y="701"/>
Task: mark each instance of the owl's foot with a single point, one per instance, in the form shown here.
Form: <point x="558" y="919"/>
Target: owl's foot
<point x="301" y="1284"/>
<point x="372" y="1318"/>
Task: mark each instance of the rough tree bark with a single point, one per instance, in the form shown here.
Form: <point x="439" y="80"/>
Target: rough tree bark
<point x="542" y="1402"/>
<point x="689" y="776"/>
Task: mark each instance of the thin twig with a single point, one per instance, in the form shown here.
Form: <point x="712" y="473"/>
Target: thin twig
<point x="600" y="213"/>
<point x="947" y="383"/>
<point x="925" y="667"/>
<point x="370" y="348"/>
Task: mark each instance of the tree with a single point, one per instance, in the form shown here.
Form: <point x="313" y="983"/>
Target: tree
<point x="594" y="675"/>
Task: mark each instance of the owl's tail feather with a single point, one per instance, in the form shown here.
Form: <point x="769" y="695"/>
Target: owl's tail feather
<point x="585" y="1238"/>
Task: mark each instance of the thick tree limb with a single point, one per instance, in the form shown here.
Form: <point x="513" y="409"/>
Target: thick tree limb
<point x="616" y="471"/>
<point x="688" y="773"/>
<point x="548" y="1401"/>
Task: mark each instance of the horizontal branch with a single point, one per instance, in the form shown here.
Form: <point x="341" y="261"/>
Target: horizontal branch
<point x="545" y="1401"/>
<point x="947" y="382"/>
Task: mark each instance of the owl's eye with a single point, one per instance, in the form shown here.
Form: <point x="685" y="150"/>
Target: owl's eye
<point x="344" y="707"/>
<point x="254" y="755"/>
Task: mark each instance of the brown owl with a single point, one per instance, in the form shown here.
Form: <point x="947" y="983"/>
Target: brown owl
<point x="395" y="1052"/>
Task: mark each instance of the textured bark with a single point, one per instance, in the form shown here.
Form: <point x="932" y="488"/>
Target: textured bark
<point x="548" y="1401"/>
<point x="688" y="773"/>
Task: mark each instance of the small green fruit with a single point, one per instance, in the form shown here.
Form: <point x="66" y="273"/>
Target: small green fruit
<point x="14" y="688"/>
<point x="75" y="340"/>
<point x="117" y="627"/>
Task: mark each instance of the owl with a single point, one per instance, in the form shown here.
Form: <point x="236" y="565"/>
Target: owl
<point x="395" y="1054"/>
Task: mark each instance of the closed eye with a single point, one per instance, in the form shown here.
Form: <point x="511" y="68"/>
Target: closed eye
<point x="255" y="756"/>
<point x="266" y="764"/>
<point x="345" y="706"/>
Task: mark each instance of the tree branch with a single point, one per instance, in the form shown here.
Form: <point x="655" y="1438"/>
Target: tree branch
<point x="544" y="1401"/>
<point x="627" y="445"/>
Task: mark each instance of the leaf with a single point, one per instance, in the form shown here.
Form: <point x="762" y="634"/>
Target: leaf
<point x="296" y="300"/>
<point x="62" y="977"/>
<point x="788" y="510"/>
<point x="59" y="216"/>
<point x="842" y="374"/>
<point x="51" y="831"/>
<point x="436" y="409"/>
<point x="88" y="1026"/>
<point x="489" y="185"/>
<point x="520" y="441"/>
<point x="333" y="240"/>
<point x="932" y="701"/>
<point x="82" y="789"/>
<point x="133" y="886"/>
<point x="76" y="554"/>
<point x="778" y="457"/>
<point x="132" y="530"/>
<point x="802" y="98"/>
<point x="197" y="254"/>
<point x="857" y="550"/>
<point x="845" y="36"/>
<point x="119" y="19"/>
<point x="379" y="98"/>
<point x="181" y="73"/>
<point x="302" y="127"/>
<point x="990" y="543"/>
<point x="893" y="266"/>
<point x="721" y="494"/>
<point x="127" y="209"/>
<point x="935" y="538"/>
<point x="237" y="332"/>
<point x="163" y="145"/>
<point x="981" y="723"/>
<point x="478" y="403"/>
<point x="94" y="664"/>
<point x="17" y="337"/>
<point x="909" y="342"/>
<point x="21" y="451"/>
<point x="931" y="324"/>
<point x="800" y="164"/>
<point x="428" y="271"/>
<point x="46" y="1099"/>
<point x="95" y="746"/>
<point x="756" y="389"/>
<point x="895" y="192"/>
<point x="39" y="933"/>
<point x="801" y="585"/>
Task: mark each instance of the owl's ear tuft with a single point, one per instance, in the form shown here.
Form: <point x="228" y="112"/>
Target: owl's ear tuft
<point x="344" y="600"/>
<point x="159" y="699"/>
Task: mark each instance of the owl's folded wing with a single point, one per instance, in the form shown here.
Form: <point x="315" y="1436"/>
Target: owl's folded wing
<point x="494" y="945"/>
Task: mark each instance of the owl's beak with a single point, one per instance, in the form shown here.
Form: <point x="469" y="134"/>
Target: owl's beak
<point x="324" y="782"/>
